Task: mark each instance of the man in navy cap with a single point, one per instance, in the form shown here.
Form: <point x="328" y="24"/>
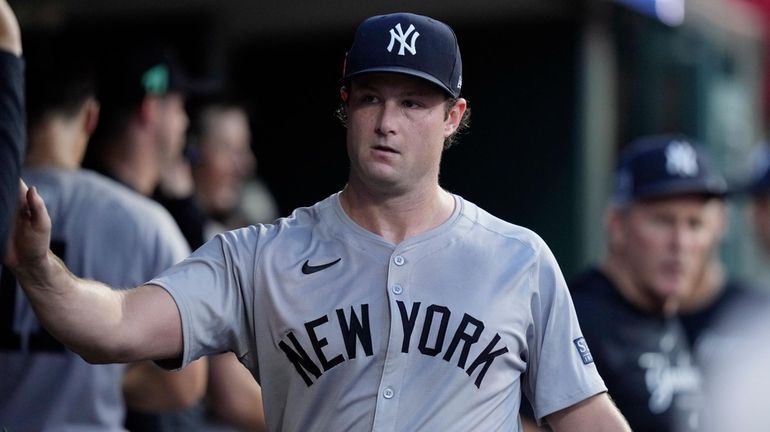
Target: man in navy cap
<point x="758" y="189"/>
<point x="664" y="220"/>
<point x="391" y="305"/>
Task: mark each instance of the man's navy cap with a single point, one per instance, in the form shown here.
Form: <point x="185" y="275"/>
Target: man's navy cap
<point x="665" y="165"/>
<point x="759" y="182"/>
<point x="408" y="44"/>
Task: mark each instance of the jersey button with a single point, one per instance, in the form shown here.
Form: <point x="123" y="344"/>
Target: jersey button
<point x="399" y="260"/>
<point x="397" y="289"/>
<point x="388" y="393"/>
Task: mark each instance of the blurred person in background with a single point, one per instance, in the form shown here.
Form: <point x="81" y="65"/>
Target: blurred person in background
<point x="735" y="351"/>
<point x="221" y="161"/>
<point x="139" y="140"/>
<point x="224" y="164"/>
<point x="735" y="369"/>
<point x="45" y="386"/>
<point x="12" y="133"/>
<point x="758" y="190"/>
<point x="665" y="217"/>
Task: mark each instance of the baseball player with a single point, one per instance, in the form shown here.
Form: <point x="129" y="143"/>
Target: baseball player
<point x="12" y="137"/>
<point x="45" y="386"/>
<point x="663" y="224"/>
<point x="391" y="305"/>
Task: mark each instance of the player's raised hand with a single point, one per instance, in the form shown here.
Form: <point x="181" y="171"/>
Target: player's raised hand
<point x="31" y="234"/>
<point x="10" y="36"/>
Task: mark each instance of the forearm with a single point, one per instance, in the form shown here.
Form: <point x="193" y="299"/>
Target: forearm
<point x="234" y="396"/>
<point x="84" y="315"/>
<point x="595" y="414"/>
<point x="148" y="388"/>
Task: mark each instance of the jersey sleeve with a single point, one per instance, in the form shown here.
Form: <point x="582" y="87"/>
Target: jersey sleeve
<point x="12" y="138"/>
<point x="560" y="370"/>
<point x="213" y="290"/>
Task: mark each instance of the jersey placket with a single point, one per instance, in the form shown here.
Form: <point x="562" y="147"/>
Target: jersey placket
<point x="395" y="363"/>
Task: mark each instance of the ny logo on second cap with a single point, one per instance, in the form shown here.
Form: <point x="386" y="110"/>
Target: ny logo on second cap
<point x="681" y="159"/>
<point x="401" y="38"/>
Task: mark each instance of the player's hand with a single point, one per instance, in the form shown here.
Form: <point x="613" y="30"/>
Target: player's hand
<point x="31" y="233"/>
<point x="10" y="36"/>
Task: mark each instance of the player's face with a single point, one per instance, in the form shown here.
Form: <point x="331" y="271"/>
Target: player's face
<point x="667" y="242"/>
<point x="226" y="160"/>
<point x="172" y="125"/>
<point x="396" y="129"/>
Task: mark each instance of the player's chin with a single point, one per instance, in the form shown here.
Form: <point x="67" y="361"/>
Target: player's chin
<point x="674" y="286"/>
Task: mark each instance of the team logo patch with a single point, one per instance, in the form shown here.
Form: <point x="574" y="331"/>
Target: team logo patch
<point x="582" y="347"/>
<point x="681" y="159"/>
<point x="397" y="35"/>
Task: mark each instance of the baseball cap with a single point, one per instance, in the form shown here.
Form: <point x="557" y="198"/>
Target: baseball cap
<point x="128" y="76"/>
<point x="408" y="44"/>
<point x="759" y="181"/>
<point x="665" y="165"/>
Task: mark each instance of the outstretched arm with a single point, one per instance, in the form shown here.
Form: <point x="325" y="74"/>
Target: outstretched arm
<point x="101" y="324"/>
<point x="595" y="414"/>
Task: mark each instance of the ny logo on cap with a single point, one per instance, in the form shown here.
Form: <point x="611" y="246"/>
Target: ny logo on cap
<point x="401" y="38"/>
<point x="681" y="159"/>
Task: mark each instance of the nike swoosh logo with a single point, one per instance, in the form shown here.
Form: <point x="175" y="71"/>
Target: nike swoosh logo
<point x="310" y="269"/>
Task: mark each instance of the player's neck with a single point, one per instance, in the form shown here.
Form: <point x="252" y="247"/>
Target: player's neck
<point x="397" y="217"/>
<point x="55" y="144"/>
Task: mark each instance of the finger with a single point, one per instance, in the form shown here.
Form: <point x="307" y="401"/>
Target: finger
<point x="36" y="205"/>
<point x="22" y="191"/>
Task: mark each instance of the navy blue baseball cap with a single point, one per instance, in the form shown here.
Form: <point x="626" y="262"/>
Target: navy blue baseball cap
<point x="665" y="165"/>
<point x="408" y="44"/>
<point x="759" y="182"/>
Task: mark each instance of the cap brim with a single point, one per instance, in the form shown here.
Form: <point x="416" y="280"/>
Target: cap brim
<point x="681" y="188"/>
<point x="403" y="71"/>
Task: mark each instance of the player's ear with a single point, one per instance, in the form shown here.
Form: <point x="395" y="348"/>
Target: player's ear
<point x="344" y="94"/>
<point x="454" y="116"/>
<point x="91" y="116"/>
<point x="147" y="110"/>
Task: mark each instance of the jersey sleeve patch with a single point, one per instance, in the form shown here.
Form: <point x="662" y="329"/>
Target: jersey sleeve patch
<point x="582" y="348"/>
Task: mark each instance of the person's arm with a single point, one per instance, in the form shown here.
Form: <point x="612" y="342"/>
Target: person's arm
<point x="148" y="388"/>
<point x="101" y="324"/>
<point x="12" y="118"/>
<point x="10" y="35"/>
<point x="595" y="414"/>
<point x="234" y="396"/>
<point x="530" y="426"/>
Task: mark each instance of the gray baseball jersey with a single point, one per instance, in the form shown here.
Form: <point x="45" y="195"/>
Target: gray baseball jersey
<point x="102" y="231"/>
<point x="346" y="331"/>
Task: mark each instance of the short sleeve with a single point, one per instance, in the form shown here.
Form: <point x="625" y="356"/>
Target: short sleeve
<point x="560" y="369"/>
<point x="213" y="290"/>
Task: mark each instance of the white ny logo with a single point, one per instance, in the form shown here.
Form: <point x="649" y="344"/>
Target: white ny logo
<point x="681" y="159"/>
<point x="401" y="38"/>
